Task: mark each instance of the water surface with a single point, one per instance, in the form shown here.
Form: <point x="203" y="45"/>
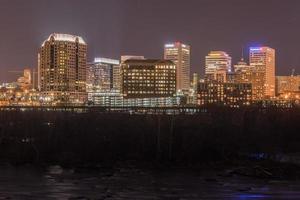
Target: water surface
<point x="131" y="183"/>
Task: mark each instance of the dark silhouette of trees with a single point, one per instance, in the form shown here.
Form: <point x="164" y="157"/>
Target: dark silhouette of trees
<point x="90" y="137"/>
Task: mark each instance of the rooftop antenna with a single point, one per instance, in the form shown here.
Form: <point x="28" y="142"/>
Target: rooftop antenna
<point x="242" y="59"/>
<point x="293" y="72"/>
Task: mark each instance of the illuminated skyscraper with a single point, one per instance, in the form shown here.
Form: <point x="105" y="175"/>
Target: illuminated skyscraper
<point x="241" y="66"/>
<point x="217" y="64"/>
<point x="103" y="75"/>
<point x="195" y="82"/>
<point x="62" y="69"/>
<point x="25" y="81"/>
<point x="180" y="54"/>
<point x="263" y="59"/>
<point x="244" y="73"/>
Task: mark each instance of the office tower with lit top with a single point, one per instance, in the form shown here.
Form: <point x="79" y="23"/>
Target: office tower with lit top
<point x="263" y="59"/>
<point x="180" y="54"/>
<point x="62" y="69"/>
<point x="103" y="75"/>
<point x="217" y="65"/>
<point x="148" y="78"/>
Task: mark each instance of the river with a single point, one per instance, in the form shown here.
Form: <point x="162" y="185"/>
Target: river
<point x="55" y="182"/>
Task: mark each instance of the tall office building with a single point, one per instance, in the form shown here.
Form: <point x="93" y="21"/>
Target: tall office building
<point x="25" y="81"/>
<point x="148" y="78"/>
<point x="217" y="65"/>
<point x="244" y="73"/>
<point x="180" y="54"/>
<point x="241" y="66"/>
<point x="195" y="82"/>
<point x="192" y="97"/>
<point x="103" y="75"/>
<point x="62" y="69"/>
<point x="263" y="59"/>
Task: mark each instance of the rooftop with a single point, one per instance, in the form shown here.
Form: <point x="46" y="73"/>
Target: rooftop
<point x="106" y="60"/>
<point x="217" y="53"/>
<point x="65" y="37"/>
<point x="148" y="61"/>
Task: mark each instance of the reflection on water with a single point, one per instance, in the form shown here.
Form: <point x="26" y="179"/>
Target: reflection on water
<point x="28" y="182"/>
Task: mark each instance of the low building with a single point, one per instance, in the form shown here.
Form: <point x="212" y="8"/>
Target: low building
<point x="288" y="87"/>
<point x="225" y="94"/>
<point x="144" y="83"/>
<point x="115" y="99"/>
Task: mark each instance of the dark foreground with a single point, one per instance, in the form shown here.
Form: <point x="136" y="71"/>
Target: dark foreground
<point x="130" y="183"/>
<point x="68" y="138"/>
<point x="249" y="153"/>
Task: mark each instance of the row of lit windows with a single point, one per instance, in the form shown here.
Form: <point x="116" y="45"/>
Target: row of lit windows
<point x="149" y="92"/>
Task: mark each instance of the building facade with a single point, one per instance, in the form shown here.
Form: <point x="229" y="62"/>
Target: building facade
<point x="263" y="60"/>
<point x="25" y="81"/>
<point x="114" y="99"/>
<point x="225" y="94"/>
<point x="288" y="87"/>
<point x="148" y="78"/>
<point x="217" y="65"/>
<point x="103" y="75"/>
<point x="244" y="73"/>
<point x="62" y="69"/>
<point x="196" y="79"/>
<point x="180" y="54"/>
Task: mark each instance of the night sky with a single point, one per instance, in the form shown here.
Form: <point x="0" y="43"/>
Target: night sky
<point x="142" y="27"/>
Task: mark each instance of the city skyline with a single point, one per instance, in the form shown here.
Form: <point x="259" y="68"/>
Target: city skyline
<point x="111" y="32"/>
<point x="149" y="99"/>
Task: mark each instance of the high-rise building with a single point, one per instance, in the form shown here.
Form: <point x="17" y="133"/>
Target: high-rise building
<point x="192" y="96"/>
<point x="217" y="65"/>
<point x="180" y="54"/>
<point x="148" y="78"/>
<point x="62" y="69"/>
<point x="219" y="75"/>
<point x="241" y="66"/>
<point x="25" y="81"/>
<point x="263" y="59"/>
<point x="196" y="79"/>
<point x="103" y="75"/>
<point x="244" y="73"/>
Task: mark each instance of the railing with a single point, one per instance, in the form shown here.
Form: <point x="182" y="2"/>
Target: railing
<point x="102" y="109"/>
<point x="175" y="110"/>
